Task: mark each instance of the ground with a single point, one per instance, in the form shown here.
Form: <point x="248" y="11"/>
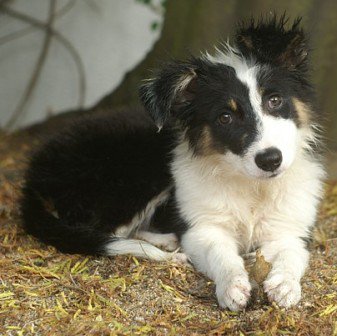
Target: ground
<point x="44" y="292"/>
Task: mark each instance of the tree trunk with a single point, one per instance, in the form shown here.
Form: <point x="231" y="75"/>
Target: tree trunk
<point x="324" y="41"/>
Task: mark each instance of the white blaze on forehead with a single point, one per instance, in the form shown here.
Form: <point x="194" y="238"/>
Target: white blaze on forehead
<point x="248" y="77"/>
<point x="246" y="71"/>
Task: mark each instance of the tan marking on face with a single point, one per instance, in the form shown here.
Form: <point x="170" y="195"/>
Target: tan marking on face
<point x="205" y="144"/>
<point x="233" y="105"/>
<point x="303" y="111"/>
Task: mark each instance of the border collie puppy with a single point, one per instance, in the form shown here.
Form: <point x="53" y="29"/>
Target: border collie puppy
<point x="232" y="169"/>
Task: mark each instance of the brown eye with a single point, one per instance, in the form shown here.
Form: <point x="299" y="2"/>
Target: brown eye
<point x="274" y="102"/>
<point x="225" y="118"/>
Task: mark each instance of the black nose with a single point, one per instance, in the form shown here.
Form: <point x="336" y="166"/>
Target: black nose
<point x="269" y="159"/>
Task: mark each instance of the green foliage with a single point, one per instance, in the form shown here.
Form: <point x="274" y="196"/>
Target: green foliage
<point x="155" y="25"/>
<point x="157" y="7"/>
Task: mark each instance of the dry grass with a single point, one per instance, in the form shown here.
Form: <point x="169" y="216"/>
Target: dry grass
<point x="43" y="292"/>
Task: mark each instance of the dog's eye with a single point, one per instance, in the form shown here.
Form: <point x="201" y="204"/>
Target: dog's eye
<point x="225" y="118"/>
<point x="274" y="102"/>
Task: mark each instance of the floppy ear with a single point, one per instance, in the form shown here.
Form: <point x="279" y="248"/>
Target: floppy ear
<point x="270" y="41"/>
<point x="171" y="89"/>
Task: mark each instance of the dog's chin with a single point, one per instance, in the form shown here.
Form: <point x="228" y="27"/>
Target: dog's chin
<point x="258" y="174"/>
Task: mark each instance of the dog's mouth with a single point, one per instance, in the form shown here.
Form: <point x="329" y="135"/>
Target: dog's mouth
<point x="276" y="174"/>
<point x="269" y="175"/>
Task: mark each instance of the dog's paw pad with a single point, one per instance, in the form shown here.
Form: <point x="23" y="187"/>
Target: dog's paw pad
<point x="234" y="293"/>
<point x="282" y="289"/>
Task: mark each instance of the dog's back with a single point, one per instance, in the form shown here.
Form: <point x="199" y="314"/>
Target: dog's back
<point x="93" y="177"/>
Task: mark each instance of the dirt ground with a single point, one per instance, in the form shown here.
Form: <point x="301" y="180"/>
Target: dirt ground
<point x="43" y="292"/>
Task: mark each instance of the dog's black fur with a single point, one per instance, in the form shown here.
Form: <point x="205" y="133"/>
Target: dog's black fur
<point x="93" y="177"/>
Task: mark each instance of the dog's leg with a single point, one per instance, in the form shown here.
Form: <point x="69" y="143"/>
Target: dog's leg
<point x="215" y="252"/>
<point x="142" y="249"/>
<point x="289" y="259"/>
<point x="167" y="241"/>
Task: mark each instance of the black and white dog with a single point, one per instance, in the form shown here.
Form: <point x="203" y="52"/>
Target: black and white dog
<point x="232" y="168"/>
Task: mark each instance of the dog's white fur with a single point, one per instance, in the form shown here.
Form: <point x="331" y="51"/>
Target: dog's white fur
<point x="148" y="249"/>
<point x="146" y="244"/>
<point x="229" y="214"/>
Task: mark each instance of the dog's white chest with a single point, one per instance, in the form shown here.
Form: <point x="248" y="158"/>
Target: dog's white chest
<point x="249" y="209"/>
<point x="239" y="208"/>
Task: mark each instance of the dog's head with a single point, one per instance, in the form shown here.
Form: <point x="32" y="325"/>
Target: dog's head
<point x="250" y="104"/>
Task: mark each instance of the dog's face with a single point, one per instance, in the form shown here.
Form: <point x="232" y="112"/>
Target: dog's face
<point x="246" y="105"/>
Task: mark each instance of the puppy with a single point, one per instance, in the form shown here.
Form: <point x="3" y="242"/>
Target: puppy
<point x="229" y="165"/>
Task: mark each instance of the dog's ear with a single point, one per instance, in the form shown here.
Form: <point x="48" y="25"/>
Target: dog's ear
<point x="172" y="88"/>
<point x="269" y="41"/>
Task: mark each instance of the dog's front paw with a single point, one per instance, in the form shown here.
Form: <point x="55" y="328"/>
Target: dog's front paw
<point x="283" y="289"/>
<point x="171" y="242"/>
<point x="234" y="292"/>
<point x="180" y="258"/>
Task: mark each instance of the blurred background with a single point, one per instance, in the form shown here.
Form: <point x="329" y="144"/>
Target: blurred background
<point x="64" y="58"/>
